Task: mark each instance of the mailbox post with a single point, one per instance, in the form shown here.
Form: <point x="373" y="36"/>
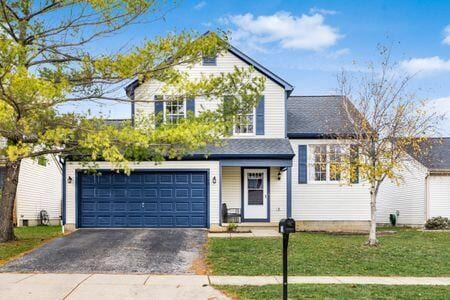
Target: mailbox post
<point x="286" y="226"/>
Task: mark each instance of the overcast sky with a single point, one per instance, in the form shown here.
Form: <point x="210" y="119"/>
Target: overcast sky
<point x="308" y="42"/>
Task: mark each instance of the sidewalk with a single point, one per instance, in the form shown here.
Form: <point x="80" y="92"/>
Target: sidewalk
<point x="105" y="286"/>
<point x="264" y="280"/>
<point x="112" y="286"/>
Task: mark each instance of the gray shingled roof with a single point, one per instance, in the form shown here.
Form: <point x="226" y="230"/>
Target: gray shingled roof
<point x="250" y="148"/>
<point x="436" y="156"/>
<point x="317" y="116"/>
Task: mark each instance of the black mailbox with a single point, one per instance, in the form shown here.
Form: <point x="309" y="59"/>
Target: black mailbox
<point x="286" y="226"/>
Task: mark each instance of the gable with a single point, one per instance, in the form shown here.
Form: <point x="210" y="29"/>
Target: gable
<point x="130" y="88"/>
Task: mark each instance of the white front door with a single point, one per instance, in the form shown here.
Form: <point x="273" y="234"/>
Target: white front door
<point x="255" y="194"/>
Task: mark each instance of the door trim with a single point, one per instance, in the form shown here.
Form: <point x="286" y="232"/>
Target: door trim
<point x="267" y="219"/>
<point x="80" y="172"/>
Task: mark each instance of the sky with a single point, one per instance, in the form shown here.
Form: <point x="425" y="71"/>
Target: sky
<point x="308" y="42"/>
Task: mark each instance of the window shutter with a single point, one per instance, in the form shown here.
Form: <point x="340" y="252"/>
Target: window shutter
<point x="190" y="106"/>
<point x="159" y="108"/>
<point x="227" y="107"/>
<point x="302" y="164"/>
<point x="2" y="176"/>
<point x="354" y="154"/>
<point x="260" y="117"/>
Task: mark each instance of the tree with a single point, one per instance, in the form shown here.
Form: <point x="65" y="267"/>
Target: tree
<point x="386" y="125"/>
<point x="46" y="60"/>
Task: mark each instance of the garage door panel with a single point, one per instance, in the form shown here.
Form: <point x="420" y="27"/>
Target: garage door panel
<point x="144" y="199"/>
<point x="119" y="221"/>
<point x="165" y="193"/>
<point x="198" y="221"/>
<point x="166" y="207"/>
<point x="182" y="207"/>
<point x="151" y="207"/>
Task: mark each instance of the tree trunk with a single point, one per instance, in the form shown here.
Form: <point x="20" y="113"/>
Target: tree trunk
<point x="11" y="180"/>
<point x="373" y="216"/>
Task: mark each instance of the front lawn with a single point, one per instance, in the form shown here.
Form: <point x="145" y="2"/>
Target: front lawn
<point x="28" y="238"/>
<point x="408" y="252"/>
<point x="347" y="291"/>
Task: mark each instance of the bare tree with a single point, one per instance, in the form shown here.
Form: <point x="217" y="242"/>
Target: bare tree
<point x="387" y="124"/>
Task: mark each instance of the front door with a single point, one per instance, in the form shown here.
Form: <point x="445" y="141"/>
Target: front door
<point x="255" y="195"/>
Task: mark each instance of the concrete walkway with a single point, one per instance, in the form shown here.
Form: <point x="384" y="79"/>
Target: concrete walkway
<point x="260" y="232"/>
<point x="105" y="286"/>
<point x="113" y="286"/>
<point x="264" y="280"/>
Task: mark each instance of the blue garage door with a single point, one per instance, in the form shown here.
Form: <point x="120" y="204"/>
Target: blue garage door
<point x="143" y="199"/>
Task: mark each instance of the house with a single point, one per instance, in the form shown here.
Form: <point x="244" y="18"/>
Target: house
<point x="39" y="189"/>
<point x="275" y="166"/>
<point x="424" y="191"/>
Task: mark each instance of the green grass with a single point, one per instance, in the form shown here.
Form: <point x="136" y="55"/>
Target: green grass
<point x="408" y="252"/>
<point x="28" y="238"/>
<point x="321" y="291"/>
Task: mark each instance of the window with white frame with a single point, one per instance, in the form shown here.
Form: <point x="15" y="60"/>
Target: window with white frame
<point x="325" y="162"/>
<point x="174" y="110"/>
<point x="245" y="123"/>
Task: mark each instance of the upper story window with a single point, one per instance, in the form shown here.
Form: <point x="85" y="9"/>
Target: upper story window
<point x="209" y="60"/>
<point x="324" y="163"/>
<point x="245" y="124"/>
<point x="174" y="111"/>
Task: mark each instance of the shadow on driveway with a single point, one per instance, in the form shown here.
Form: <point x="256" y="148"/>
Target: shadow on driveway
<point x="146" y="251"/>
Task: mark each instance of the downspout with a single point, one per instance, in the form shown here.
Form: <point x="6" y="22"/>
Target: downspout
<point x="63" y="200"/>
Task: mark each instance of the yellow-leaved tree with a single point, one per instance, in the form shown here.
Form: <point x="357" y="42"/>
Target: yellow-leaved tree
<point x="46" y="61"/>
<point x="386" y="125"/>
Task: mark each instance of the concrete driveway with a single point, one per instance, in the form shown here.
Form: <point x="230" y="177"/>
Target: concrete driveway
<point x="138" y="251"/>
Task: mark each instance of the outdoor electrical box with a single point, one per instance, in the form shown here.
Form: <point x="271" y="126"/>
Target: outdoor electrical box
<point x="286" y="227"/>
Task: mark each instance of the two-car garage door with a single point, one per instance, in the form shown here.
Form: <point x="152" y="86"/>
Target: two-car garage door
<point x="143" y="199"/>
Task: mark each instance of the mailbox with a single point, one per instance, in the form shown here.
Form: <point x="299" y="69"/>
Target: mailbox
<point x="286" y="226"/>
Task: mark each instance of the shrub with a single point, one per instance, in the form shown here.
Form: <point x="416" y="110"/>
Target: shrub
<point x="232" y="227"/>
<point x="437" y="223"/>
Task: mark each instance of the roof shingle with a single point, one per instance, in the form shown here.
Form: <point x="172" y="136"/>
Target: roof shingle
<point x="317" y="116"/>
<point x="436" y="154"/>
<point x="250" y="148"/>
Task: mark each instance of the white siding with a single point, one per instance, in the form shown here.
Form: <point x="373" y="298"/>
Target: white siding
<point x="408" y="197"/>
<point x="232" y="191"/>
<point x="274" y="95"/>
<point x="438" y="196"/>
<point x="327" y="201"/>
<point x="231" y="186"/>
<point x="212" y="166"/>
<point x="278" y="196"/>
<point x="39" y="189"/>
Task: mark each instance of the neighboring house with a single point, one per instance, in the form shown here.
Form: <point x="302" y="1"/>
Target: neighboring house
<point x="424" y="191"/>
<point x="274" y="166"/>
<point x="39" y="189"/>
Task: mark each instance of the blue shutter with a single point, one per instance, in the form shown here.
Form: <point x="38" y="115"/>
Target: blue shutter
<point x="260" y="117"/>
<point x="354" y="154"/>
<point x="227" y="103"/>
<point x="159" y="108"/>
<point x="302" y="164"/>
<point x="2" y="177"/>
<point x="190" y="106"/>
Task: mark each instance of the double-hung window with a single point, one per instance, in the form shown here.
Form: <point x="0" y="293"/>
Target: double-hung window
<point x="245" y="123"/>
<point x="325" y="163"/>
<point x="174" y="109"/>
